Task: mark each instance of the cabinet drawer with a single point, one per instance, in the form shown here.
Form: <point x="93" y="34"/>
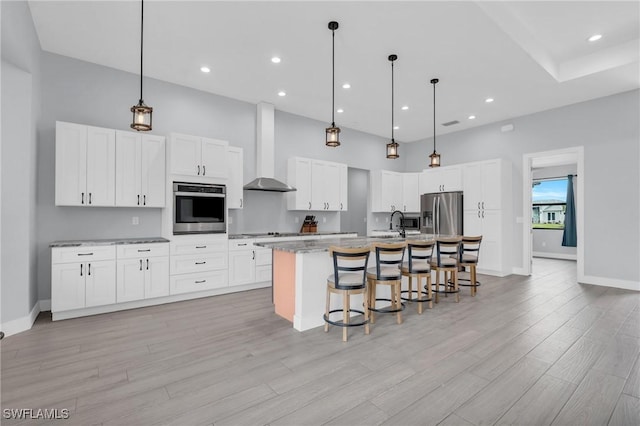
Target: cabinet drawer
<point x="82" y="254"/>
<point x="197" y="247"/>
<point x="134" y="251"/>
<point x="241" y="244"/>
<point x="263" y="273"/>
<point x="263" y="257"/>
<point x="197" y="282"/>
<point x="198" y="263"/>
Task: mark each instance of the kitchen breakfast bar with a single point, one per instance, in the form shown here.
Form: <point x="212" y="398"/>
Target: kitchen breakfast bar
<point x="300" y="271"/>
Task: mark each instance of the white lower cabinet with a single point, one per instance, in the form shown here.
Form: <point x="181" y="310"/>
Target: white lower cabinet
<point x="248" y="263"/>
<point x="82" y="277"/>
<point x="143" y="271"/>
<point x="198" y="265"/>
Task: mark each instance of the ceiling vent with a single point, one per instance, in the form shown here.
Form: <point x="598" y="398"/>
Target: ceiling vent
<point x="450" y="123"/>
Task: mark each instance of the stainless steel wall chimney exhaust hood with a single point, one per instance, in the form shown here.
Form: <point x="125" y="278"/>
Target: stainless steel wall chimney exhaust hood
<point x="265" y="153"/>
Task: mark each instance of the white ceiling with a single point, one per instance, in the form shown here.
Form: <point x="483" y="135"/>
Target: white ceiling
<point x="528" y="56"/>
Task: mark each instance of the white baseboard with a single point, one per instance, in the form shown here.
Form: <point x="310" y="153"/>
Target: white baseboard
<point x="562" y="256"/>
<point x="610" y="282"/>
<point x="19" y="325"/>
<point x="518" y="271"/>
<point x="45" y="305"/>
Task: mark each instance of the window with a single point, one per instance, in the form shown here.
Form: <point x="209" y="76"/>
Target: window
<point x="549" y="203"/>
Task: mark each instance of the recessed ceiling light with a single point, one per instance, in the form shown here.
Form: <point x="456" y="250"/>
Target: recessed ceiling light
<point x="282" y="93"/>
<point x="396" y="127"/>
<point x="488" y="100"/>
<point x="346" y="86"/>
<point x="339" y="110"/>
<point x="472" y="117"/>
<point x="275" y="60"/>
<point x="406" y="107"/>
<point x="595" y="37"/>
<point x="205" y="69"/>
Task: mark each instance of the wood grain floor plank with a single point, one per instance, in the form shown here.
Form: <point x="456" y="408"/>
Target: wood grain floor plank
<point x="505" y="356"/>
<point x="593" y="401"/>
<point x="454" y="420"/>
<point x="554" y="347"/>
<point x="618" y="359"/>
<point x="627" y="412"/>
<point x="365" y="414"/>
<point x="577" y="361"/>
<point x="632" y="387"/>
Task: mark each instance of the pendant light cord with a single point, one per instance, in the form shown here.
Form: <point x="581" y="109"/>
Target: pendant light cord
<point x="141" y="44"/>
<point x="392" y="91"/>
<point x="333" y="77"/>
<point x="434" y="117"/>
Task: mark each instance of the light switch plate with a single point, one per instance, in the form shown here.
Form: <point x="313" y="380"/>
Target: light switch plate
<point x="135" y="220"/>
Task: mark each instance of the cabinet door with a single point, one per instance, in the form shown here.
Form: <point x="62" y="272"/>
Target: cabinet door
<point x="71" y="164"/>
<point x="472" y="186"/>
<point x="318" y="199"/>
<point x="450" y="179"/>
<point x="185" y="155"/>
<point x="156" y="277"/>
<point x="344" y="187"/>
<point x="152" y="171"/>
<point x="130" y="280"/>
<point x="101" y="166"/>
<point x="67" y="286"/>
<point x="391" y="190"/>
<point x="331" y="185"/>
<point x="214" y="158"/>
<point x="491" y="247"/>
<point x="100" y="282"/>
<point x="242" y="267"/>
<point x="492" y="185"/>
<point x="128" y="190"/>
<point x="299" y="176"/>
<point x="429" y="181"/>
<point x="236" y="178"/>
<point x="411" y="192"/>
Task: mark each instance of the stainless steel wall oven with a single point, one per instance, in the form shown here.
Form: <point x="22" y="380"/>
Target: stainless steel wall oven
<point x="199" y="208"/>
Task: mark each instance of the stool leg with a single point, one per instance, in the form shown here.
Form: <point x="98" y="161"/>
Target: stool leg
<point x="326" y="324"/>
<point x="455" y="285"/>
<point x="446" y="283"/>
<point x="398" y="289"/>
<point x="474" y="289"/>
<point x="345" y="315"/>
<point x="372" y="301"/>
<point x="365" y="298"/>
<point x="437" y="284"/>
<point x="411" y="288"/>
<point x="429" y="291"/>
<point x="419" y="289"/>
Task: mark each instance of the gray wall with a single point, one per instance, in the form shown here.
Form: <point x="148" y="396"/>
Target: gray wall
<point x="548" y="242"/>
<point x="354" y="219"/>
<point x="608" y="128"/>
<point x="20" y="115"/>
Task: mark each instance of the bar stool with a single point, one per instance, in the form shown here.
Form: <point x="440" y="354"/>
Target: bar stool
<point x="348" y="278"/>
<point x="445" y="259"/>
<point x="389" y="257"/>
<point x="418" y="266"/>
<point x="468" y="258"/>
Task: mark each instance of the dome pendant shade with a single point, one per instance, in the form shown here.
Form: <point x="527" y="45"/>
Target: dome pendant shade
<point x="333" y="132"/>
<point x="434" y="158"/>
<point x="141" y="112"/>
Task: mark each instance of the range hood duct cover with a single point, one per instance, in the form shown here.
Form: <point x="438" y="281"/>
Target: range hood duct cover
<point x="265" y="157"/>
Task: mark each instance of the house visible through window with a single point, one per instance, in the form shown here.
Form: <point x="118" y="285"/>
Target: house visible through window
<point x="549" y="203"/>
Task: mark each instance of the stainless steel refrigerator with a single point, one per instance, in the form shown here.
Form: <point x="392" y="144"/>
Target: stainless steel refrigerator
<point x="441" y="213"/>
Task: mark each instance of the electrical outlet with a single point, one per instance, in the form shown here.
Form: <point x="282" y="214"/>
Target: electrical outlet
<point x="135" y="220"/>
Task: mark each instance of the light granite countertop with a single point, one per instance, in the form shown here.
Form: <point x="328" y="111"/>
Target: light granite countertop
<point x="109" y="242"/>
<point x="258" y="235"/>
<point x="315" y="246"/>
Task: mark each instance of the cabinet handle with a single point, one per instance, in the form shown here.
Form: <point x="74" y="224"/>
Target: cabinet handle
<point x="483" y="214"/>
<point x="198" y="169"/>
<point x="478" y="205"/>
<point x="200" y="263"/>
<point x="147" y="264"/>
<point x="89" y="273"/>
<point x="144" y="251"/>
<point x="201" y="246"/>
<point x="81" y="269"/>
<point x="138" y="199"/>
<point x="144" y="198"/>
<point x="254" y="255"/>
<point x="141" y="264"/>
<point x="340" y="206"/>
<point x="405" y="208"/>
<point x="204" y="170"/>
<point x="82" y="202"/>
<point x="200" y="281"/>
<point x="244" y="244"/>
<point x="309" y="205"/>
<point x="240" y="202"/>
<point x="85" y="254"/>
<point x="478" y="213"/>
<point x="90" y="198"/>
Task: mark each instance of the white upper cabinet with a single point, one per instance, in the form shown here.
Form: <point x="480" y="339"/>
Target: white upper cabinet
<point x="236" y="178"/>
<point x="411" y="192"/>
<point x="321" y="185"/>
<point x="344" y="187"/>
<point x="197" y="156"/>
<point x="441" y="179"/>
<point x="483" y="185"/>
<point x="140" y="170"/>
<point x="85" y="165"/>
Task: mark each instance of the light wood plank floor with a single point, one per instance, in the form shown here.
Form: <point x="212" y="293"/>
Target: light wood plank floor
<point x="526" y="350"/>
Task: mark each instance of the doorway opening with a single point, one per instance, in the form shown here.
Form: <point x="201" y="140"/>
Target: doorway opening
<point x="535" y="167"/>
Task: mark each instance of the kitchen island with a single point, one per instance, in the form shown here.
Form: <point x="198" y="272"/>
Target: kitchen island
<point x="300" y="271"/>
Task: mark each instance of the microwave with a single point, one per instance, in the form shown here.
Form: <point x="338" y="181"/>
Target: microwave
<point x="199" y="208"/>
<point x="410" y="222"/>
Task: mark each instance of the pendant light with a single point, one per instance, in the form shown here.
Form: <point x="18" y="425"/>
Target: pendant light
<point x="434" y="157"/>
<point x="392" y="147"/>
<point x="141" y="112"/>
<point x="333" y="132"/>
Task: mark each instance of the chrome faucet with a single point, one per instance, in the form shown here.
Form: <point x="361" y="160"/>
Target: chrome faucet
<point x="403" y="234"/>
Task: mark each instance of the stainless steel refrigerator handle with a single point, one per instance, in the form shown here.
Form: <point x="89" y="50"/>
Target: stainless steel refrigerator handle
<point x="433" y="215"/>
<point x="438" y="217"/>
